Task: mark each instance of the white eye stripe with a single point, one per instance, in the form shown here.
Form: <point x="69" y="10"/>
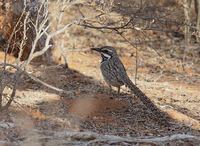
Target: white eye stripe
<point x="110" y="50"/>
<point x="106" y="55"/>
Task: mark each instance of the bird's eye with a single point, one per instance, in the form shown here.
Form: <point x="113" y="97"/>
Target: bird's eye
<point x="105" y="51"/>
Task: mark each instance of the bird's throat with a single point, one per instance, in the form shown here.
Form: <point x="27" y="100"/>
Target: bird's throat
<point x="105" y="57"/>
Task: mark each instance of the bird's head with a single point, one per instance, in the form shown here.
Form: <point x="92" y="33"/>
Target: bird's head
<point x="107" y="52"/>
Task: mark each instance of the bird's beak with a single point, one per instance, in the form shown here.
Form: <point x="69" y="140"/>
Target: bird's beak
<point x="96" y="49"/>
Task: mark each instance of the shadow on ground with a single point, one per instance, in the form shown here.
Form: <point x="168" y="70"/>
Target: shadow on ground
<point x="89" y="105"/>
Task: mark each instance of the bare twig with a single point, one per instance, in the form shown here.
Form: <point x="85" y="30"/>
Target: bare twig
<point x="24" y="37"/>
<point x="136" y="65"/>
<point x="136" y="57"/>
<point x="13" y="33"/>
<point x="34" y="78"/>
<point x="38" y="23"/>
<point x="90" y="138"/>
<point x="106" y="27"/>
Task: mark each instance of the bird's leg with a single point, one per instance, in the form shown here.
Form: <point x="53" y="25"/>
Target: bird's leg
<point x="118" y="90"/>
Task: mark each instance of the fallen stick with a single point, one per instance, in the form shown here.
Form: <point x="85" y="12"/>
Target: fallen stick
<point x="92" y="137"/>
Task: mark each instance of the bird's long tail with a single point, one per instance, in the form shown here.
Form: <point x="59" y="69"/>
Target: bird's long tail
<point x="156" y="112"/>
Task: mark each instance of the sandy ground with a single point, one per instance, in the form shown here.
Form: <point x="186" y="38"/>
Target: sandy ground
<point x="88" y="105"/>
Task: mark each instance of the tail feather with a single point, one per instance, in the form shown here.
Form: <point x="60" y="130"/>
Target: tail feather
<point x="159" y="115"/>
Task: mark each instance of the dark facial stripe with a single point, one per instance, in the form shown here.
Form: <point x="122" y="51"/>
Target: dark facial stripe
<point x="106" y="51"/>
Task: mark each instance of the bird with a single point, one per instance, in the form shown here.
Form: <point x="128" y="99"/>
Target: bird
<point x="114" y="74"/>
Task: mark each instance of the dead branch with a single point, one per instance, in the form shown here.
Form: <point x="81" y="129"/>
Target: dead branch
<point x="136" y="49"/>
<point x="136" y="66"/>
<point x="22" y="44"/>
<point x="35" y="18"/>
<point x="117" y="30"/>
<point x="47" y="46"/>
<point x="105" y="27"/>
<point x="92" y="138"/>
<point x="42" y="29"/>
<point x="34" y="78"/>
